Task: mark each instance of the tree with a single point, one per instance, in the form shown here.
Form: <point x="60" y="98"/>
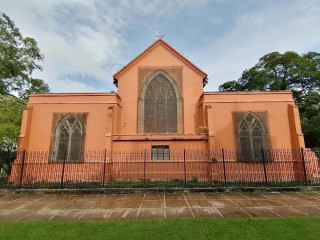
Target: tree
<point x="230" y="86"/>
<point x="19" y="58"/>
<point x="310" y="119"/>
<point x="288" y="71"/>
<point x="10" y="119"/>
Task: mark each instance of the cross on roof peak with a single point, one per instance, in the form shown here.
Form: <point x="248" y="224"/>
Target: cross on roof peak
<point x="160" y="35"/>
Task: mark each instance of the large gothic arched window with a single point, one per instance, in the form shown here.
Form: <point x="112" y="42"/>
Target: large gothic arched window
<point x="69" y="136"/>
<point x="251" y="134"/>
<point x="160" y="106"/>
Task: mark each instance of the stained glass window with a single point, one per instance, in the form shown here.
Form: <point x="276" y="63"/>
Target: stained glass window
<point x="69" y="139"/>
<point x="251" y="134"/>
<point x="160" y="106"/>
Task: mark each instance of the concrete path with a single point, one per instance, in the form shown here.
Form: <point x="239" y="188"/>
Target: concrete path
<point x="150" y="205"/>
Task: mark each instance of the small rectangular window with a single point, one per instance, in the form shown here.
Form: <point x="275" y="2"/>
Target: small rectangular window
<point x="160" y="152"/>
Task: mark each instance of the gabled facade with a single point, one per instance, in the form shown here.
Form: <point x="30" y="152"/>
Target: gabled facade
<point x="160" y="101"/>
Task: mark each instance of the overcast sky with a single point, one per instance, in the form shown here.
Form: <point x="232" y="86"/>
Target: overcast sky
<point x="86" y="41"/>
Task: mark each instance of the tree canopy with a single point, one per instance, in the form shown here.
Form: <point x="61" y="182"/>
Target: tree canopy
<point x="288" y="71"/>
<point x="11" y="109"/>
<point x="19" y="58"/>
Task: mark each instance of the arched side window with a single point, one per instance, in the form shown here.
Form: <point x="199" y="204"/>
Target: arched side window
<point x="69" y="137"/>
<point x="251" y="133"/>
<point x="159" y="105"/>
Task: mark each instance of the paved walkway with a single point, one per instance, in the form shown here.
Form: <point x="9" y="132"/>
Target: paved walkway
<point x="149" y="205"/>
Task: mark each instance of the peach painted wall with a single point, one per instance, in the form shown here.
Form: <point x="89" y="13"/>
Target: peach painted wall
<point x="39" y="126"/>
<point x="105" y="118"/>
<point x="221" y="124"/>
<point x="126" y="145"/>
<point x="128" y="89"/>
<point x="112" y="121"/>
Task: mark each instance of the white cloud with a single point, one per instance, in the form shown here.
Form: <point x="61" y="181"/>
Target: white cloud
<point x="84" y="38"/>
<point x="257" y="33"/>
<point x="80" y="37"/>
<point x="68" y="85"/>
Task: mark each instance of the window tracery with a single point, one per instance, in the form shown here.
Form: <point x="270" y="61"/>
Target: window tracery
<point x="160" y="106"/>
<point x="69" y="136"/>
<point x="251" y="134"/>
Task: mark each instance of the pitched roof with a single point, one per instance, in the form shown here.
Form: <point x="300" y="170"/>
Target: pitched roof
<point x="170" y="49"/>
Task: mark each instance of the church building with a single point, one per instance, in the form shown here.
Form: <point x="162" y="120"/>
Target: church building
<point x="160" y="107"/>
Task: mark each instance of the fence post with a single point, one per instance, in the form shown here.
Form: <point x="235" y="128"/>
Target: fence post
<point x="104" y="167"/>
<point x="62" y="173"/>
<point x="224" y="169"/>
<point x="264" y="167"/>
<point x="22" y="167"/>
<point x="304" y="166"/>
<point x="185" y="168"/>
<point x="144" y="167"/>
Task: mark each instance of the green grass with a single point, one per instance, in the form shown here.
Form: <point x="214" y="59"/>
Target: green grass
<point x="275" y="228"/>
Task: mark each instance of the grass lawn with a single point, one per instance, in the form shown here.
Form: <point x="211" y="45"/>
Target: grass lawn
<point x="273" y="228"/>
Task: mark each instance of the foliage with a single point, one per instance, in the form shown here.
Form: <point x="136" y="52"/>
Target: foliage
<point x="310" y="119"/>
<point x="203" y="128"/>
<point x="19" y="58"/>
<point x="10" y="119"/>
<point x="288" y="71"/>
<point x="230" y="86"/>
